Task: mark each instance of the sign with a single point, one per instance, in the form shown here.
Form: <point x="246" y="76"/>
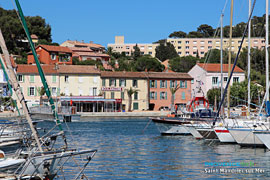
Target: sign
<point x="111" y="89"/>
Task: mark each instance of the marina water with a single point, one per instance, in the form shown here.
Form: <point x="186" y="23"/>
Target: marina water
<point x="126" y="150"/>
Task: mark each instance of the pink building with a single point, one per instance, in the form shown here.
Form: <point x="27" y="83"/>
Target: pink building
<point x="160" y="94"/>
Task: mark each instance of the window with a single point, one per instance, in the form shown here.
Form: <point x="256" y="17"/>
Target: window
<point x="142" y="53"/>
<point x="163" y="84"/>
<point x="66" y="79"/>
<point x="135" y="83"/>
<point x="135" y="106"/>
<point x="179" y="47"/>
<point x="32" y="78"/>
<point x="202" y="42"/>
<point x="209" y="42"/>
<point x="150" y="52"/>
<point x="263" y="41"/>
<point x="94" y="91"/>
<point x="255" y="41"/>
<point x="64" y="57"/>
<point x="214" y="80"/>
<point x="20" y="78"/>
<point x="187" y="53"/>
<point x="54" y="78"/>
<point x="122" y="95"/>
<point x="173" y="83"/>
<point x="235" y="79"/>
<point x="183" y="95"/>
<point x="192" y="81"/>
<point x="182" y="84"/>
<point x="112" y="95"/>
<point x="219" y="47"/>
<point x="163" y="95"/>
<point x="150" y="47"/>
<point x="202" y="53"/>
<point x="194" y="42"/>
<point x="179" y="53"/>
<point x="225" y="79"/>
<point x="54" y="91"/>
<point x="179" y="42"/>
<point x="103" y="82"/>
<point x="31" y="91"/>
<point x="112" y="82"/>
<point x="127" y="47"/>
<point x="136" y="96"/>
<point x="194" y="52"/>
<point x="218" y="42"/>
<point x="153" y="83"/>
<point x="122" y="82"/>
<point x="209" y="47"/>
<point x="187" y="42"/>
<point x="202" y="47"/>
<point x="142" y="47"/>
<point x="53" y="56"/>
<point x="187" y="47"/>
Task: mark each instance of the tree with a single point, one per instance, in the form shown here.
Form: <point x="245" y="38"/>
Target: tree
<point x="178" y="34"/>
<point x="173" y="90"/>
<point x="148" y="63"/>
<point x="206" y="30"/>
<point x="182" y="64"/>
<point x="166" y="51"/>
<point x="136" y="53"/>
<point x="212" y="94"/>
<point x="213" y="56"/>
<point x="130" y="92"/>
<point x="194" y="34"/>
<point x="41" y="92"/>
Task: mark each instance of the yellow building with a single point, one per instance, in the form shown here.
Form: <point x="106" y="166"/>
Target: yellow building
<point x="116" y="84"/>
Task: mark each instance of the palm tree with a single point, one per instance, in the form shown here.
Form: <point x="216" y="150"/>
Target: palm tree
<point x="41" y="92"/>
<point x="173" y="91"/>
<point x="130" y="92"/>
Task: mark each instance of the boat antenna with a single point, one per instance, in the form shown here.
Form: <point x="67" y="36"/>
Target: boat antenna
<point x="41" y="73"/>
<point x="235" y="61"/>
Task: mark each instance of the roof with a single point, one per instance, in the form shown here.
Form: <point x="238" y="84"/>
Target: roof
<point x="85" y="44"/>
<point x="145" y="75"/>
<point x="55" y="48"/>
<point x="123" y="74"/>
<point x="33" y="36"/>
<point x="92" y="54"/>
<point x="168" y="75"/>
<point x="78" y="69"/>
<point x="81" y="49"/>
<point x="32" y="69"/>
<point x="216" y="67"/>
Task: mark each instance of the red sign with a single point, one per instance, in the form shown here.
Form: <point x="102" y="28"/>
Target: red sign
<point x="118" y="100"/>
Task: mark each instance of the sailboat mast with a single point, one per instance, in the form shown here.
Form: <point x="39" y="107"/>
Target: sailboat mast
<point x="41" y="73"/>
<point x="17" y="89"/>
<point x="229" y="60"/>
<point x="249" y="32"/>
<point x="266" y="47"/>
<point x="221" y="60"/>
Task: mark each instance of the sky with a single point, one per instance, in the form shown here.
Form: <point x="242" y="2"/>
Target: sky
<point x="140" y="21"/>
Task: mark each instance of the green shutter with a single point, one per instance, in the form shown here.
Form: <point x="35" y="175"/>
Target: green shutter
<point x="155" y="95"/>
<point x="28" y="91"/>
<point x="155" y="83"/>
<point x="135" y="106"/>
<point x="125" y="82"/>
<point x="183" y="95"/>
<point x="58" y="91"/>
<point x="54" y="78"/>
<point x="160" y="83"/>
<point x="35" y="91"/>
<point x="110" y="82"/>
<point x="23" y="78"/>
<point x="114" y="82"/>
<point x="32" y="78"/>
<point x="175" y="83"/>
<point x="122" y="95"/>
<point x="170" y="83"/>
<point x="166" y="84"/>
<point x="160" y="95"/>
<point x="166" y="95"/>
<point x="103" y="82"/>
<point x="185" y="84"/>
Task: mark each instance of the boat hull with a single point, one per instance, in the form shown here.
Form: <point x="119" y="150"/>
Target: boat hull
<point x="171" y="127"/>
<point x="264" y="136"/>
<point x="224" y="135"/>
<point x="207" y="133"/>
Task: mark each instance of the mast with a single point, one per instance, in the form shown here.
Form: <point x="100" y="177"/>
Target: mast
<point x="221" y="60"/>
<point x="17" y="89"/>
<point x="41" y="73"/>
<point x="230" y="56"/>
<point x="249" y="32"/>
<point x="266" y="48"/>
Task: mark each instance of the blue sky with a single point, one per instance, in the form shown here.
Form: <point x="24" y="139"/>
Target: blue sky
<point x="140" y="21"/>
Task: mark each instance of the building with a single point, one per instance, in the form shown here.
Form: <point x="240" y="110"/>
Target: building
<point x="187" y="46"/>
<point x="48" y="54"/>
<point x="3" y="83"/>
<point x="88" y="54"/>
<point x="31" y="84"/>
<point x="116" y="84"/>
<point x="97" y="48"/>
<point x="160" y="94"/>
<point x="208" y="76"/>
<point x="120" y="46"/>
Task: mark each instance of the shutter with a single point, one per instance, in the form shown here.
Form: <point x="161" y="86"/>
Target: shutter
<point x="170" y="83"/>
<point x="58" y="91"/>
<point x="175" y="83"/>
<point x="185" y="84"/>
<point x="28" y="91"/>
<point x="35" y="91"/>
<point x="160" y="95"/>
<point x="110" y="82"/>
<point x="155" y="83"/>
<point x="155" y="95"/>
<point x="38" y="89"/>
<point x="23" y="78"/>
<point x="160" y="83"/>
<point x="114" y="82"/>
<point x="166" y="84"/>
<point x="150" y="83"/>
<point x="166" y="95"/>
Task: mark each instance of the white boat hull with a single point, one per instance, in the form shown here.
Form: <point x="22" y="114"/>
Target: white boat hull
<point x="264" y="136"/>
<point x="245" y="137"/>
<point x="194" y="131"/>
<point x="224" y="135"/>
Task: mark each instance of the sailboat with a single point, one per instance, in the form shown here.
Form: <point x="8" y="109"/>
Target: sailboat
<point x="42" y="159"/>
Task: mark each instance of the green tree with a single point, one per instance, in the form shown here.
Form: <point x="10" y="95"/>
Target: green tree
<point x="194" y="34"/>
<point x="137" y="52"/>
<point x="166" y="51"/>
<point x="178" y="34"/>
<point x="182" y="64"/>
<point x="206" y="30"/>
<point x="173" y="90"/>
<point x="148" y="63"/>
<point x="130" y="92"/>
<point x="212" y="94"/>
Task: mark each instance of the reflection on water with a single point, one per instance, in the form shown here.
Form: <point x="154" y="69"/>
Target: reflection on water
<point x="124" y="152"/>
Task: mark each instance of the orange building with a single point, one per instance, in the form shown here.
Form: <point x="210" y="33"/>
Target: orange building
<point x="160" y="93"/>
<point x="51" y="55"/>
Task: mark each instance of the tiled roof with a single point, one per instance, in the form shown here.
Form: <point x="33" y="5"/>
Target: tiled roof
<point x="92" y="54"/>
<point x="32" y="69"/>
<point x="123" y="74"/>
<point x="55" y="48"/>
<point x="168" y="75"/>
<point x="78" y="69"/>
<point x="85" y="44"/>
<point x="216" y="67"/>
<point x="81" y="49"/>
